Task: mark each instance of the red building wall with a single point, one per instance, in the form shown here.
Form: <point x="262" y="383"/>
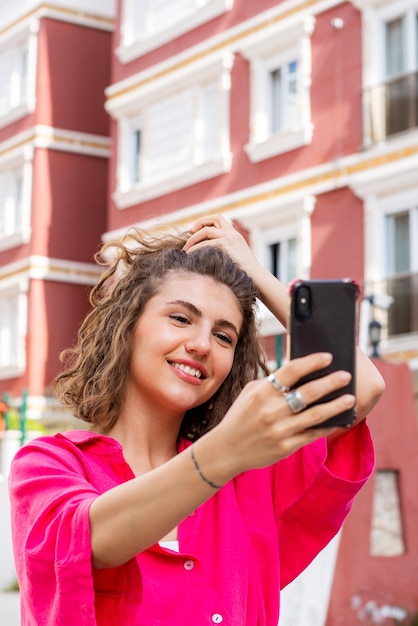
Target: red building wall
<point x="55" y="313"/>
<point x="69" y="192"/>
<point x="68" y="204"/>
<point x="338" y="236"/>
<point x="74" y="70"/>
<point x="366" y="588"/>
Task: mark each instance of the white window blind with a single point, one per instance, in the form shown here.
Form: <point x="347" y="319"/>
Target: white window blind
<point x="9" y="311"/>
<point x="11" y="191"/>
<point x="169" y="130"/>
<point x="5" y="72"/>
<point x="13" y="78"/>
<point x="208" y="123"/>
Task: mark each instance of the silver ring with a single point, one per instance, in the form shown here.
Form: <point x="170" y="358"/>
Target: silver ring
<point x="277" y="384"/>
<point x="295" y="401"/>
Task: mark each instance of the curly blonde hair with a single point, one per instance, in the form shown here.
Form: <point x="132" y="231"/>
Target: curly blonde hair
<point x="94" y="380"/>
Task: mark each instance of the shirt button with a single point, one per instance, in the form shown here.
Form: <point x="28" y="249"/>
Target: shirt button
<point x="189" y="564"/>
<point x="217" y="618"/>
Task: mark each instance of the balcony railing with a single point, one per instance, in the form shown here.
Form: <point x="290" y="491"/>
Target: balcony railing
<point x="402" y="316"/>
<point x="391" y="107"/>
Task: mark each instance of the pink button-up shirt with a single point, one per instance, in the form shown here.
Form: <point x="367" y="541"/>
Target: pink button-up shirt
<point x="236" y="550"/>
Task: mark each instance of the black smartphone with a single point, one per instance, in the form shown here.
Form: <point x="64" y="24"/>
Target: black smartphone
<point x="323" y="318"/>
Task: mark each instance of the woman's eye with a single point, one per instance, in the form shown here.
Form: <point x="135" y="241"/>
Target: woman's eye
<point x="182" y="319"/>
<point x="224" y="338"/>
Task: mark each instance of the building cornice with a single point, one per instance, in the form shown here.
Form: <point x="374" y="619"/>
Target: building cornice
<point x="44" y="268"/>
<point x="50" y="138"/>
<point x="54" y="11"/>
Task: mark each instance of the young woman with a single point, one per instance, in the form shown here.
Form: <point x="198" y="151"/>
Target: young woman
<point x="199" y="489"/>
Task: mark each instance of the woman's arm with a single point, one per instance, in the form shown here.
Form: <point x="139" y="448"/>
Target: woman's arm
<point x="258" y="430"/>
<point x="217" y="231"/>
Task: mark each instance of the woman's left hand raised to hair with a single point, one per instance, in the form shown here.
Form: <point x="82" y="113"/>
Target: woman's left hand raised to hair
<point x="217" y="231"/>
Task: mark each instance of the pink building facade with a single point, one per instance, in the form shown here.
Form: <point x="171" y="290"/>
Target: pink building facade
<point x="295" y="119"/>
<point x="54" y="152"/>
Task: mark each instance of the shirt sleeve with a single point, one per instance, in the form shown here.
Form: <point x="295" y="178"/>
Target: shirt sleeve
<point x="314" y="492"/>
<point x="50" y="500"/>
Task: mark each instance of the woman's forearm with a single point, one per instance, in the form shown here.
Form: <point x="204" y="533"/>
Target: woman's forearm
<point x="131" y="517"/>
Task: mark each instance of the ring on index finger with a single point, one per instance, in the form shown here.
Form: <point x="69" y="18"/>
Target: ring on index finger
<point x="277" y="384"/>
<point x="295" y="401"/>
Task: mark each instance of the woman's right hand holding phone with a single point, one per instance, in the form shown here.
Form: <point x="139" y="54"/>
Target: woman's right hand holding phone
<point x="264" y="425"/>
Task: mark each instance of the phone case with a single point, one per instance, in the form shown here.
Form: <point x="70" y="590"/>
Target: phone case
<point x="323" y="318"/>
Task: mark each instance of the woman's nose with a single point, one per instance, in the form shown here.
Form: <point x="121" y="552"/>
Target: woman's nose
<point x="199" y="343"/>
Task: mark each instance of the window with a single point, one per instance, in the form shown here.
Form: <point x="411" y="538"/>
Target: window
<point x="280" y="69"/>
<point x="13" y="78"/>
<point x="137" y="147"/>
<point x="391" y="253"/>
<point x="15" y="198"/>
<point x="398" y="237"/>
<point x="394" y="44"/>
<point x="401" y="235"/>
<point x="148" y="24"/>
<point x="387" y="528"/>
<point x="391" y="67"/>
<point x="11" y="203"/>
<point x="17" y="74"/>
<point x="283" y="255"/>
<point x="174" y="132"/>
<point x="284" y="98"/>
<point x="12" y="332"/>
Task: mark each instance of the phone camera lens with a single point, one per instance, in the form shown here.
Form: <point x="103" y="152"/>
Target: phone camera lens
<point x="303" y="302"/>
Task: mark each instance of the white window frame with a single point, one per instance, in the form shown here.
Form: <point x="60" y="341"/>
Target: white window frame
<point x="18" y="162"/>
<point x="385" y="197"/>
<point x="287" y="40"/>
<point x="269" y="223"/>
<point x="129" y="110"/>
<point x="13" y="41"/>
<point x="375" y="14"/>
<point x="135" y="45"/>
<point x="385" y="193"/>
<point x="14" y="363"/>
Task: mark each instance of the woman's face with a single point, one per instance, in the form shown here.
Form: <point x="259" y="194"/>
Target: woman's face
<point x="184" y="344"/>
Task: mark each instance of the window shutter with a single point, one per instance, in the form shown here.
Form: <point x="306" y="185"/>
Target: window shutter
<point x="169" y="130"/>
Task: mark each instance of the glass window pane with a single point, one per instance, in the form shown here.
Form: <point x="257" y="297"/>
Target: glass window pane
<point x="416" y="41"/>
<point x="395" y="55"/>
<point x="137" y="156"/>
<point x="276" y="100"/>
<point x="292" y="95"/>
<point x="387" y="527"/>
<point x="209" y="122"/>
<point x="283" y="259"/>
<point x="398" y="243"/>
<point x="291" y="259"/>
<point x="275" y="259"/>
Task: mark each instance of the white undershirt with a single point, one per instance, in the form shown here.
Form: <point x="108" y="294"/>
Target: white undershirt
<point x="170" y="545"/>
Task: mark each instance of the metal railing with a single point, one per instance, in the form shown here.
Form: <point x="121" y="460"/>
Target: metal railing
<point x="402" y="316"/>
<point x="391" y="107"/>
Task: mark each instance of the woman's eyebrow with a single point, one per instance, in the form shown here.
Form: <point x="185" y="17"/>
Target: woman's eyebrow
<point x="193" y="309"/>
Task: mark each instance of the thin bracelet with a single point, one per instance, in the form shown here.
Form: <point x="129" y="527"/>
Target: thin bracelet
<point x="202" y="476"/>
